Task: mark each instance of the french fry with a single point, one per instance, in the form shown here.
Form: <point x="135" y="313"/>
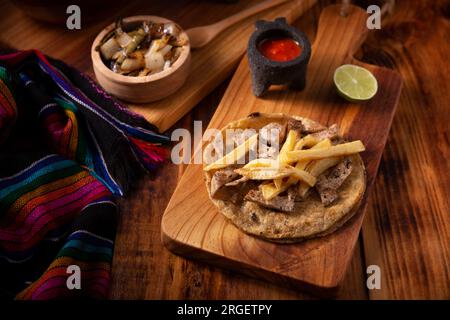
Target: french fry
<point x="282" y="157"/>
<point x="264" y="173"/>
<point x="233" y="156"/>
<point x="306" y="141"/>
<point x="302" y="175"/>
<point x="271" y="190"/>
<point x="278" y="183"/>
<point x="316" y="168"/>
<point x="288" y="145"/>
<point x="326" y="143"/>
<point x="260" y="163"/>
<point x="302" y="189"/>
<point x="333" y="151"/>
<point x="322" y="144"/>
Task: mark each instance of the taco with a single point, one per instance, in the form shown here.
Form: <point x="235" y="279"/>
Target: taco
<point x="284" y="178"/>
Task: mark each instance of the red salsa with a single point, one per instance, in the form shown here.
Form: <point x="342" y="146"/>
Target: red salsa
<point x="280" y="49"/>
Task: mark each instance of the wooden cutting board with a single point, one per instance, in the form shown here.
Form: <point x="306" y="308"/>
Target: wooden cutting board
<point x="192" y="226"/>
<point x="212" y="64"/>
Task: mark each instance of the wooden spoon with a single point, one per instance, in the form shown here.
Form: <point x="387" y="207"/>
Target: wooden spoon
<point x="200" y="36"/>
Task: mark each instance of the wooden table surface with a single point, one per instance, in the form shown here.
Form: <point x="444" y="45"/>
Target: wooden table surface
<point x="406" y="231"/>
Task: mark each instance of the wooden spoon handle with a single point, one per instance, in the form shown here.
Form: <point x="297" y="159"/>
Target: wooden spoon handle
<point x="227" y="22"/>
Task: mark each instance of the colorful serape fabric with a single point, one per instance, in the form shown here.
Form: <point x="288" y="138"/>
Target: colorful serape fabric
<point x="67" y="150"/>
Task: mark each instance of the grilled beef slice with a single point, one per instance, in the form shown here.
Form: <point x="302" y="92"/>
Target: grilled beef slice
<point x="329" y="133"/>
<point x="221" y="178"/>
<point x="271" y="137"/>
<point x="273" y="134"/>
<point x="304" y="127"/>
<point x="327" y="185"/>
<point x="236" y="182"/>
<point x="267" y="152"/>
<point x="296" y="125"/>
<point x="225" y="185"/>
<point x="281" y="203"/>
<point x="238" y="136"/>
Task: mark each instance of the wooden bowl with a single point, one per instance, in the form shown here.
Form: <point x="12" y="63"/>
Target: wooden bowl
<point x="141" y="89"/>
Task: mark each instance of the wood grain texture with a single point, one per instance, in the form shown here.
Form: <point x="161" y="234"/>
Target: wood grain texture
<point x="192" y="226"/>
<point x="211" y="65"/>
<point x="144" y="269"/>
<point x="407" y="229"/>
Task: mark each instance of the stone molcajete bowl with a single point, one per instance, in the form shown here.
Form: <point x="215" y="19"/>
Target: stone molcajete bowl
<point x="266" y="72"/>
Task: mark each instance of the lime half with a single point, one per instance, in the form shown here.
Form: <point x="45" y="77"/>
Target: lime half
<point x="355" y="83"/>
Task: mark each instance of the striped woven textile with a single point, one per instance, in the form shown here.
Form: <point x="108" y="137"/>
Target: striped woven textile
<point x="67" y="151"/>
